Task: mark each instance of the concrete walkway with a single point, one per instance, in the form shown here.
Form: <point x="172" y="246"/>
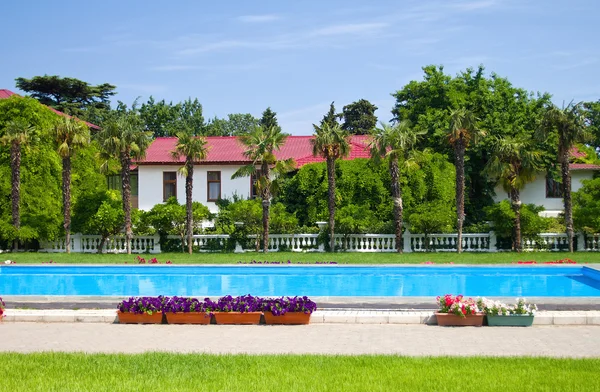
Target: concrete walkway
<point x="413" y="340"/>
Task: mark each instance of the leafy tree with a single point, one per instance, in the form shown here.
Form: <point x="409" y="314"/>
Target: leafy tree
<point x="515" y="163"/>
<point x="503" y="110"/>
<point x="193" y="149"/>
<point x="359" y="117"/>
<point x="586" y="207"/>
<point x="261" y="145"/>
<point x="69" y="134"/>
<point x="463" y="129"/>
<point x="235" y="124"/>
<point x="108" y="219"/>
<point x="159" y="116"/>
<point x="431" y="217"/>
<point x="68" y="95"/>
<point x="332" y="143"/>
<point x="570" y="126"/>
<point x="503" y="216"/>
<point x="170" y="218"/>
<point x="123" y="138"/>
<point x="592" y="114"/>
<point x="396" y="142"/>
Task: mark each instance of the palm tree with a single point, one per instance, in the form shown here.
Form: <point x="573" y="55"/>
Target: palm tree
<point x="395" y="142"/>
<point x="17" y="134"/>
<point x="515" y="162"/>
<point x="261" y="144"/>
<point x="69" y="134"/>
<point x="463" y="129"/>
<point x="570" y="124"/>
<point x="123" y="138"/>
<point x="193" y="149"/>
<point x="332" y="143"/>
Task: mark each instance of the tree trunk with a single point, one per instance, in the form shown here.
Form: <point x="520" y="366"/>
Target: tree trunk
<point x="566" y="185"/>
<point x="515" y="201"/>
<point x="266" y="203"/>
<point x="126" y="196"/>
<point x="66" y="185"/>
<point x="397" y="198"/>
<point x="459" y="152"/>
<point x="331" y="201"/>
<point x="15" y="165"/>
<point x="188" y="203"/>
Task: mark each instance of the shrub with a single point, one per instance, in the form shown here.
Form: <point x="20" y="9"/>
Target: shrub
<point x="586" y="207"/>
<point x="532" y="224"/>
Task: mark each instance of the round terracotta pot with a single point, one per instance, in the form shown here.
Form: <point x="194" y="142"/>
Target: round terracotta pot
<point x="188" y="318"/>
<point x="144" y="318"/>
<point x="246" y="318"/>
<point x="452" y="320"/>
<point x="290" y="318"/>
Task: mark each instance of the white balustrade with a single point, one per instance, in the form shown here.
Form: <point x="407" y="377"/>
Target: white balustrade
<point x="480" y="242"/>
<point x="81" y="243"/>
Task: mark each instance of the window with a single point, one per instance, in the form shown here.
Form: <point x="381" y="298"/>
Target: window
<point x="213" y="185"/>
<point x="169" y="185"/>
<point x="253" y="188"/>
<point x="114" y="183"/>
<point x="553" y="188"/>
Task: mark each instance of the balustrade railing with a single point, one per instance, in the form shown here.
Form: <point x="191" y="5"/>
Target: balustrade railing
<point x="83" y="243"/>
<point x="480" y="242"/>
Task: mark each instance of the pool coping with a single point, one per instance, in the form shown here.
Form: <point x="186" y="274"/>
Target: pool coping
<point x="542" y="318"/>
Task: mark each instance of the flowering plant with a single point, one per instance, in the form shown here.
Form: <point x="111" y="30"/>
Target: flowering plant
<point x="2" y="307"/>
<point x="243" y="304"/>
<point x="458" y="305"/>
<point x="283" y="305"/>
<point x="496" y="308"/>
<point x="183" y="305"/>
<point x="140" y="305"/>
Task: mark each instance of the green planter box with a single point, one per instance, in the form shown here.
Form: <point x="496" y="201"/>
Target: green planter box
<point x="510" y="321"/>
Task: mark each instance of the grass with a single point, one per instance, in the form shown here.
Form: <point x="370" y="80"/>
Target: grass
<point x="201" y="372"/>
<point x="340" y="258"/>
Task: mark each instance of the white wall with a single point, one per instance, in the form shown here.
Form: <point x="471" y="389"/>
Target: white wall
<point x="535" y="192"/>
<point x="151" y="184"/>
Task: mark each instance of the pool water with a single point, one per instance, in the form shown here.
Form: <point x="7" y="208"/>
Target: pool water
<point x="331" y="281"/>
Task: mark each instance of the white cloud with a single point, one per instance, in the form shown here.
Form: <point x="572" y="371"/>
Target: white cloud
<point x="258" y="18"/>
<point x="350" y="28"/>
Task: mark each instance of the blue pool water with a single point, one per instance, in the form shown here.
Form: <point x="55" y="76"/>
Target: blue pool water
<point x="361" y="281"/>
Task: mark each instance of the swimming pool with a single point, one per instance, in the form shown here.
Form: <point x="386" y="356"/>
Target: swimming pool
<point x="325" y="281"/>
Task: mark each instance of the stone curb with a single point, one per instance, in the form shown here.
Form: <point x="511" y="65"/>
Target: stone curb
<point x="318" y="317"/>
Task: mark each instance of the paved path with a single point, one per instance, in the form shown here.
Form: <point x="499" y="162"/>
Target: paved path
<point x="556" y="341"/>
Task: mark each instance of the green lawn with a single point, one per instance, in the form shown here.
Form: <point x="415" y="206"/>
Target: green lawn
<point x="340" y="258"/>
<point x="178" y="372"/>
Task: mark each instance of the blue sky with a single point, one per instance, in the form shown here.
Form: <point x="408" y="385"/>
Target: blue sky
<point x="297" y="57"/>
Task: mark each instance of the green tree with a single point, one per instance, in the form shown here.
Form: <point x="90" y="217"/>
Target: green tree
<point x="16" y="135"/>
<point x="108" y="219"/>
<point x="570" y="126"/>
<point x="260" y="146"/>
<point x="268" y="119"/>
<point x="123" y="138"/>
<point x="359" y="117"/>
<point x="332" y="143"/>
<point x="397" y="143"/>
<point x="68" y="95"/>
<point x="592" y="114"/>
<point x="515" y="162"/>
<point x="159" y="117"/>
<point x="69" y="134"/>
<point x="193" y="149"/>
<point x="586" y="207"/>
<point x="236" y="124"/>
<point x="463" y="129"/>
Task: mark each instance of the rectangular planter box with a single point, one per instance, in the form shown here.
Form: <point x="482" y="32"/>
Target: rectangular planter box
<point x="188" y="318"/>
<point x="144" y="318"/>
<point x="290" y="318"/>
<point x="510" y="321"/>
<point x="452" y="320"/>
<point x="247" y="318"/>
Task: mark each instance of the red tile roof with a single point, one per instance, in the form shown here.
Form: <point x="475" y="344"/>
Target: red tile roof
<point x="7" y="94"/>
<point x="229" y="150"/>
<point x="583" y="166"/>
